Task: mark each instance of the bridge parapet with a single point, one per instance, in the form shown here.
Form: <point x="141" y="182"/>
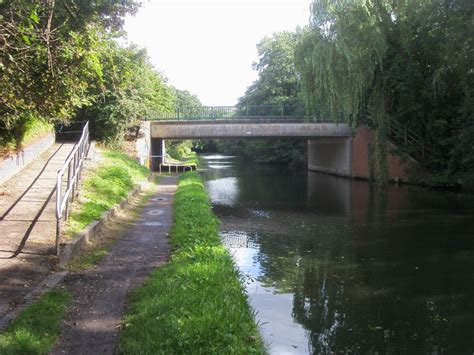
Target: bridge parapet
<point x="222" y="113"/>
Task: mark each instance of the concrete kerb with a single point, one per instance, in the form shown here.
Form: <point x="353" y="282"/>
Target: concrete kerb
<point x="73" y="247"/>
<point x="47" y="284"/>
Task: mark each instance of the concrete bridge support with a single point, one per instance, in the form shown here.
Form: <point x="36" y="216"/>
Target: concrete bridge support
<point x="350" y="156"/>
<point x="332" y="148"/>
<point x="330" y="155"/>
<point x="158" y="152"/>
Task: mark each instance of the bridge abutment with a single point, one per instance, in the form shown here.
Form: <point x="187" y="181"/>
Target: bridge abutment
<point x="157" y="153"/>
<point x="331" y="155"/>
<point x="350" y="156"/>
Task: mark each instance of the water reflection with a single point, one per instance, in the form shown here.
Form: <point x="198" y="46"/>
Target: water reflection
<point x="223" y="192"/>
<point x="335" y="265"/>
<point x="282" y="334"/>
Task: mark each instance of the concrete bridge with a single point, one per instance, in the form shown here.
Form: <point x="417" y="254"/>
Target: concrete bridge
<point x="333" y="148"/>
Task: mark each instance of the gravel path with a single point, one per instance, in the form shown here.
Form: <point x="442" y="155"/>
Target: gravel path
<point x="92" y="322"/>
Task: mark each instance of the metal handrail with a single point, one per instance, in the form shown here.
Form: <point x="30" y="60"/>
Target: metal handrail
<point x="401" y="134"/>
<point x="169" y="164"/>
<point x="73" y="167"/>
<point x="218" y="113"/>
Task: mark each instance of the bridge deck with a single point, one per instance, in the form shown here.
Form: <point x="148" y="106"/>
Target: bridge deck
<point x="246" y="128"/>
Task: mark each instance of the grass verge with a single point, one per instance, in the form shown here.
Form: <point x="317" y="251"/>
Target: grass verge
<point x="36" y="329"/>
<point x="195" y="304"/>
<point x="103" y="187"/>
<point x="30" y="131"/>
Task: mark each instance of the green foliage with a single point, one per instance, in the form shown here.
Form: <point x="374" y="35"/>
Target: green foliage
<point x="186" y="103"/>
<point x="181" y="151"/>
<point x="60" y="61"/>
<point x="109" y="184"/>
<point x="278" y="82"/>
<point x="36" y="329"/>
<point x="31" y="129"/>
<point x="273" y="151"/>
<point x="130" y="90"/>
<point x="36" y="128"/>
<point x="372" y="63"/>
<point x="49" y="57"/>
<point x="277" y="89"/>
<point x="195" y="304"/>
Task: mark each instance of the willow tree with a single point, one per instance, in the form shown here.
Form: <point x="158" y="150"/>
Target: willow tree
<point x="342" y="62"/>
<point x="374" y="61"/>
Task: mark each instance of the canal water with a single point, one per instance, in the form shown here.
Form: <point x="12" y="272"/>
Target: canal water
<point x="338" y="266"/>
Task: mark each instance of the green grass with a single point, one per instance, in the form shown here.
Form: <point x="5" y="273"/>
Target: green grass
<point x="32" y="129"/>
<point x="108" y="184"/>
<point x="88" y="260"/>
<point x="36" y="128"/>
<point x="36" y="329"/>
<point x="196" y="303"/>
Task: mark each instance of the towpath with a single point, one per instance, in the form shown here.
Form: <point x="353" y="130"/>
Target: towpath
<point x="92" y="322"/>
<point x="27" y="226"/>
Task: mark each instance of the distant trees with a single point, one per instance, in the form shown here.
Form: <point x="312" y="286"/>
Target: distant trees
<point x="277" y="89"/>
<point x="278" y="83"/>
<point x="410" y="61"/>
<point x="186" y="103"/>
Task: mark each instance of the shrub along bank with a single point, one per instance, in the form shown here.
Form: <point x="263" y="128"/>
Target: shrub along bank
<point x="196" y="303"/>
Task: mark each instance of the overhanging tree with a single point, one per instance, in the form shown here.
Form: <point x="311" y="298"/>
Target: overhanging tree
<point x="366" y="61"/>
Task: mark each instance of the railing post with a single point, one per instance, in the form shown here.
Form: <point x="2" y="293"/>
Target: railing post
<point x="74" y="185"/>
<point x="58" y="212"/>
<point x="58" y="235"/>
<point x="66" y="210"/>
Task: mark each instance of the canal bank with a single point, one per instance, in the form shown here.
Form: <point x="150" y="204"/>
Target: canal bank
<point x="195" y="303"/>
<point x="337" y="265"/>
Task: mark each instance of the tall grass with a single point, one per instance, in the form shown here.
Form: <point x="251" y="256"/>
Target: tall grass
<point x="196" y="303"/>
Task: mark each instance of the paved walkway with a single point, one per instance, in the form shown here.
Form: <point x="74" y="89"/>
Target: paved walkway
<point x="92" y="322"/>
<point x="27" y="226"/>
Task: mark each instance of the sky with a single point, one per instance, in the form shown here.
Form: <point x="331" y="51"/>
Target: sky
<point x="208" y="47"/>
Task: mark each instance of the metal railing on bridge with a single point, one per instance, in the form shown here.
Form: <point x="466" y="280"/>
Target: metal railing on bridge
<point x="261" y="112"/>
<point x="408" y="139"/>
